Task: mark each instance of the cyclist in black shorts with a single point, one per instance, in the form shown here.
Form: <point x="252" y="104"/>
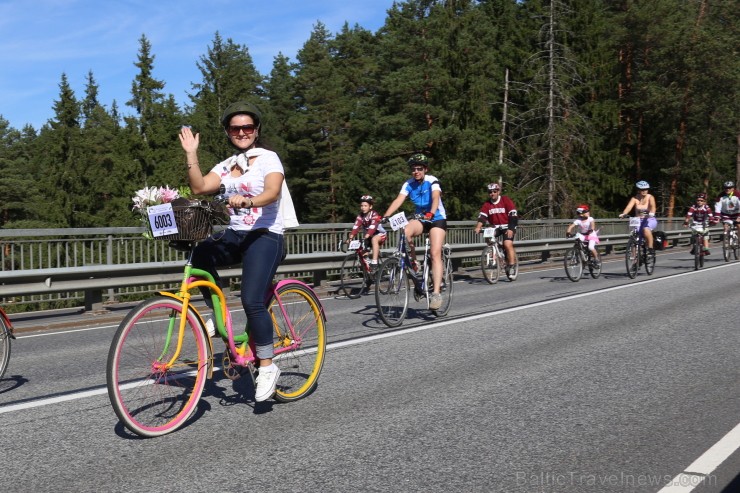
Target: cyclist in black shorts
<point x="426" y="194"/>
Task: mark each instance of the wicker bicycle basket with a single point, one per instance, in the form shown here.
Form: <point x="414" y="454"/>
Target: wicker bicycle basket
<point x="193" y="219"/>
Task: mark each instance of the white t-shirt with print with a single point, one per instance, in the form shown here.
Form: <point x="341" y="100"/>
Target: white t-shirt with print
<point x="251" y="184"/>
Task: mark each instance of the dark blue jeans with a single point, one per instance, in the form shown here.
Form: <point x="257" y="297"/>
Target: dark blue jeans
<point x="260" y="253"/>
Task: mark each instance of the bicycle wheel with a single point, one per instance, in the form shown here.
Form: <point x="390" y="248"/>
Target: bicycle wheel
<point x="351" y="277"/>
<point x="446" y="288"/>
<point x="698" y="250"/>
<point x="594" y="266"/>
<point x="632" y="258"/>
<point x="299" y="340"/>
<point x="490" y="266"/>
<point x="151" y="393"/>
<point x="648" y="259"/>
<point x="734" y="245"/>
<point x="392" y="292"/>
<point x="726" y="246"/>
<point x="573" y="264"/>
<point x="5" y="338"/>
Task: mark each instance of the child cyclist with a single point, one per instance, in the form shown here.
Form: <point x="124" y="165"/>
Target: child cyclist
<point x="700" y="215"/>
<point x="587" y="227"/>
<point x="369" y="221"/>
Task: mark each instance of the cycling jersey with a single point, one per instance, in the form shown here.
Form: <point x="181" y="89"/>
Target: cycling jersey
<point x="370" y="224"/>
<point x="699" y="214"/>
<point x="586" y="228"/>
<point x="420" y="194"/>
<point x="499" y="213"/>
<point x="727" y="206"/>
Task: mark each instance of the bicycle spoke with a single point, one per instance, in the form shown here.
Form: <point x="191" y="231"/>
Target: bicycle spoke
<point x="299" y="340"/>
<point x="392" y="292"/>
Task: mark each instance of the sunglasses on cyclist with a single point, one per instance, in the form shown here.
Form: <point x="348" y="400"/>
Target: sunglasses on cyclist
<point x="234" y="130"/>
<point x="417" y="168"/>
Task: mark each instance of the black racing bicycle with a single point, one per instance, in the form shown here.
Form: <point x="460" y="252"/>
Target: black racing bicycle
<point x="578" y="258"/>
<point x="637" y="253"/>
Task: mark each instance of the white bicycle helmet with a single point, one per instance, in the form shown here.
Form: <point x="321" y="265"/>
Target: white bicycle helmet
<point x="642" y="185"/>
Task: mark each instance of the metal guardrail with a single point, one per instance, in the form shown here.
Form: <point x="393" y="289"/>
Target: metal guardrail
<point x="315" y="267"/>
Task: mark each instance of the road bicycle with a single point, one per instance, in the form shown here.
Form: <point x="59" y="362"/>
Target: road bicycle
<point x="161" y="354"/>
<point x="396" y="275"/>
<point x="6" y="335"/>
<point x="729" y="240"/>
<point x="579" y="257"/>
<point x="698" y="232"/>
<point x="356" y="274"/>
<point x="493" y="258"/>
<point x="637" y="253"/>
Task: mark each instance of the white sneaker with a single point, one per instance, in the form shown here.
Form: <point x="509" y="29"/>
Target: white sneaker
<point x="435" y="301"/>
<point x="266" y="382"/>
<point x="210" y="328"/>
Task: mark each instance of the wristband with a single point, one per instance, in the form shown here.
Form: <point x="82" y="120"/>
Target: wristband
<point x="190" y="165"/>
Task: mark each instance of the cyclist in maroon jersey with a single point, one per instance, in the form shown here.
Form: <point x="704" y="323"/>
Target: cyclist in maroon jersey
<point x="700" y="215"/>
<point x="369" y="221"/>
<point x="499" y="210"/>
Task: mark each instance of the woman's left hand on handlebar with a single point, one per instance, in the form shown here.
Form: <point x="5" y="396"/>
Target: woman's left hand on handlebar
<point x="428" y="216"/>
<point x="239" y="202"/>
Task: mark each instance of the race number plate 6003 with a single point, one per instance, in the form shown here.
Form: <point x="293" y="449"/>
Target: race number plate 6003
<point x="162" y="220"/>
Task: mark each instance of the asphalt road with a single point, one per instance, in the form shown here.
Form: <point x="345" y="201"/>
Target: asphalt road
<point x="540" y="385"/>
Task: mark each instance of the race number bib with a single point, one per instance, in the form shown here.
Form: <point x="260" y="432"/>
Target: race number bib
<point x="489" y="232"/>
<point x="635" y="222"/>
<point x="162" y="220"/>
<point x="398" y="221"/>
<point x="354" y="245"/>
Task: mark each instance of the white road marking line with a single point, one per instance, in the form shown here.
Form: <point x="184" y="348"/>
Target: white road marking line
<point x="697" y="471"/>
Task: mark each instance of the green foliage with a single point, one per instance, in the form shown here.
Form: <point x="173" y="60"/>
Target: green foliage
<point x="601" y="94"/>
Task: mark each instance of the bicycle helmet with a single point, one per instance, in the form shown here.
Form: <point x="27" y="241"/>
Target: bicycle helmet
<point x="367" y="198"/>
<point x="418" y="159"/>
<point x="583" y="208"/>
<point x="242" y="108"/>
<point x="729" y="184"/>
<point x="701" y="195"/>
<point x="492" y="187"/>
<point x="642" y="185"/>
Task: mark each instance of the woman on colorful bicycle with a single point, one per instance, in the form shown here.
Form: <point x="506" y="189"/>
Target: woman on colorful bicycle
<point x="369" y="221"/>
<point x="586" y="225"/>
<point x="644" y="205"/>
<point x="253" y="181"/>
<point x="426" y="194"/>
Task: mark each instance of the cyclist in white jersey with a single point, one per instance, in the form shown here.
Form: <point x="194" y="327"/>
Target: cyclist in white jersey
<point x="727" y="207"/>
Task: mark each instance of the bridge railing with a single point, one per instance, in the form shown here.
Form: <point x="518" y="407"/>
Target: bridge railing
<point x="93" y="265"/>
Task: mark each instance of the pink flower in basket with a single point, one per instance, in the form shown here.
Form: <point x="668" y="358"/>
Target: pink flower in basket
<point x="168" y="194"/>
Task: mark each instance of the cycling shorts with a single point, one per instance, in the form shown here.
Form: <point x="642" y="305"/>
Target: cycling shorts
<point x="649" y="222"/>
<point x="729" y="218"/>
<point x="502" y="231"/>
<point x="440" y="223"/>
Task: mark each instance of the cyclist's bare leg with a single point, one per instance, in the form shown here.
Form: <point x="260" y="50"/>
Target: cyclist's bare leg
<point x="376" y="247"/>
<point x="510" y="253"/>
<point x="648" y="234"/>
<point x="436" y="240"/>
<point x="413" y="229"/>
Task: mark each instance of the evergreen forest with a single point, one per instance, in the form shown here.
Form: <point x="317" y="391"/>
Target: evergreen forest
<point x="562" y="101"/>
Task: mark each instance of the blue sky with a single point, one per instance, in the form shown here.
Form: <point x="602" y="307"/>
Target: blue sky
<point x="41" y="39"/>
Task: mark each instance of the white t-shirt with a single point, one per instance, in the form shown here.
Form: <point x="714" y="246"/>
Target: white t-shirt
<point x="251" y="184"/>
<point x="584" y="225"/>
